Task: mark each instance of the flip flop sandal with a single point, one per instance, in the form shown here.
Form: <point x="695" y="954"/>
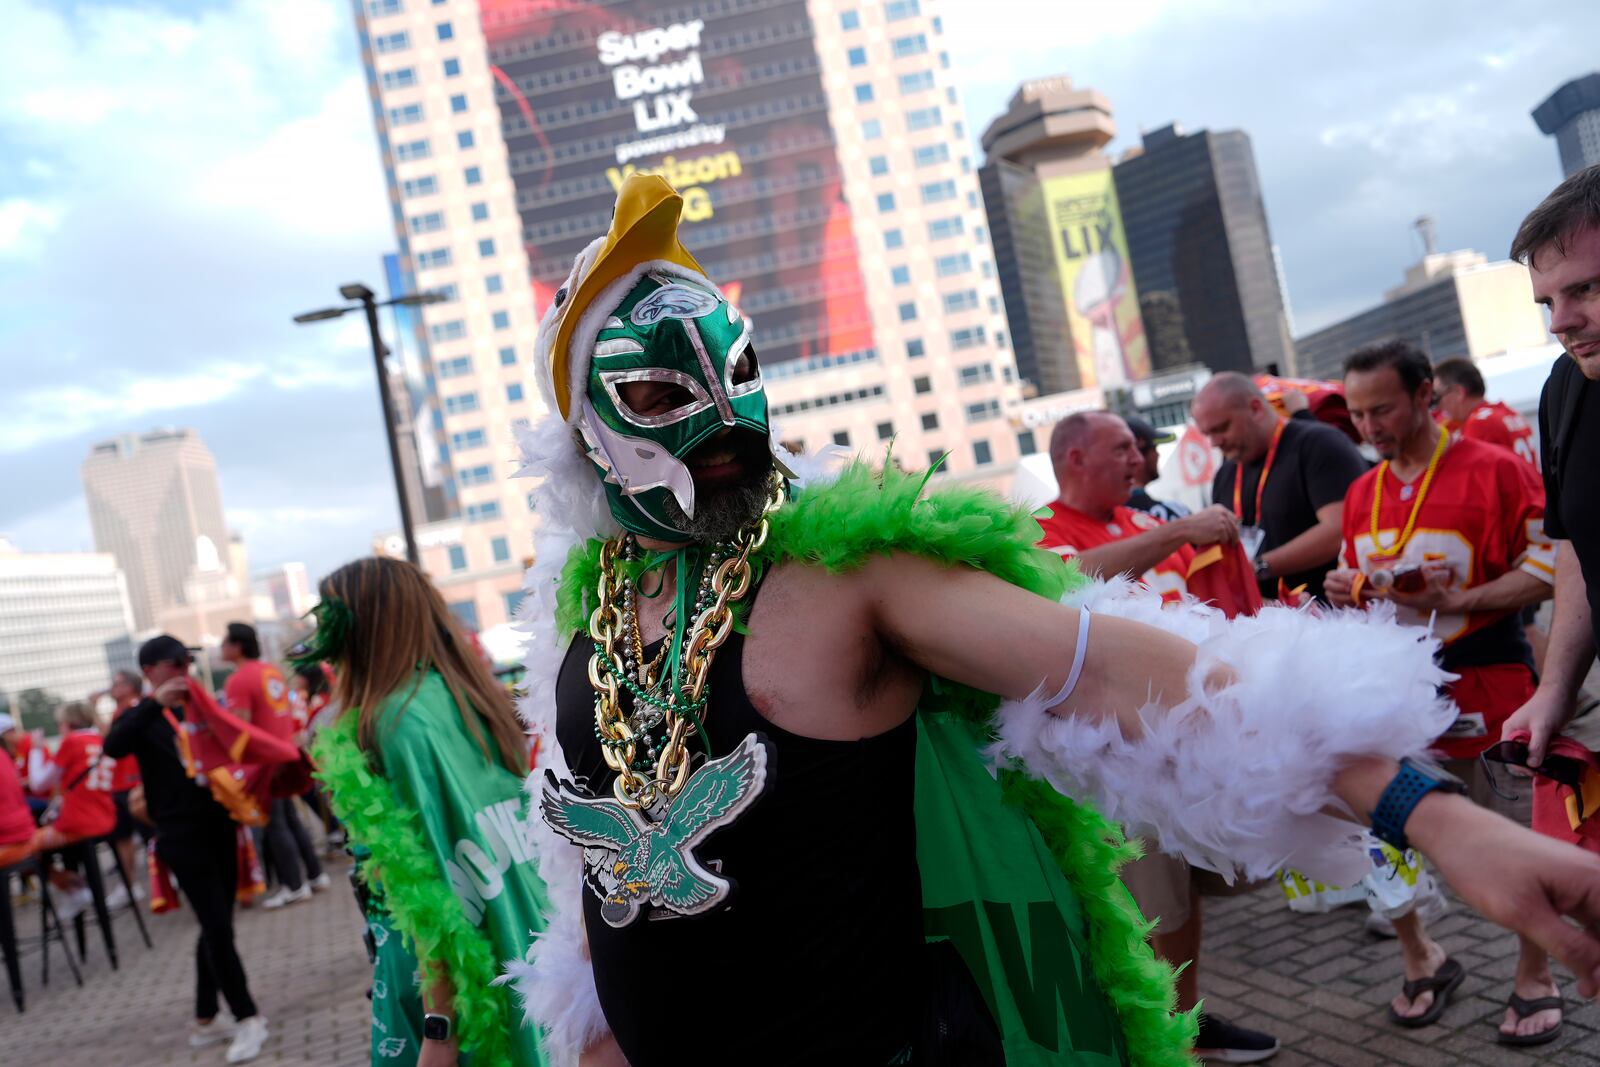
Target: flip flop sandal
<point x="1441" y="984"/>
<point x="1523" y="1009"/>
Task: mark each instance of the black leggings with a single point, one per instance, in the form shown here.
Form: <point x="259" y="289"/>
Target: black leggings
<point x="288" y="846"/>
<point x="204" y="859"/>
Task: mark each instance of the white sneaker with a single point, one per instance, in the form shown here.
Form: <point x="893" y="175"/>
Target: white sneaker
<point x="320" y="882"/>
<point x="1431" y="910"/>
<point x="71" y="903"/>
<point x="204" y="1035"/>
<point x="248" y="1039"/>
<point x="117" y="898"/>
<point x="285" y="896"/>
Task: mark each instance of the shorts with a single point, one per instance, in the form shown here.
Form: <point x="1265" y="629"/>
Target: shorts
<point x="1165" y="886"/>
<point x="127" y="825"/>
<point x="1486" y="696"/>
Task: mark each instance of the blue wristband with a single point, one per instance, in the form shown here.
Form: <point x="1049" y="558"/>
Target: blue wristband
<point x="1402" y="795"/>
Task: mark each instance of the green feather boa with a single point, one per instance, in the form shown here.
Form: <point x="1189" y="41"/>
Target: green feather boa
<point x="865" y="512"/>
<point x="415" y="891"/>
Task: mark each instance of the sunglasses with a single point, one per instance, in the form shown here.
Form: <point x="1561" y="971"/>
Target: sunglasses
<point x="1564" y="770"/>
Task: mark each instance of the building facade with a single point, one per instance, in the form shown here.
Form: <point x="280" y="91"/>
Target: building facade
<point x="1202" y="252"/>
<point x="66" y="623"/>
<point x="155" y="506"/>
<point x="1571" y="115"/>
<point x="1450" y="304"/>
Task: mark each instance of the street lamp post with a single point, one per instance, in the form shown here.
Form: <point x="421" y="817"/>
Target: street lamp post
<point x="370" y="305"/>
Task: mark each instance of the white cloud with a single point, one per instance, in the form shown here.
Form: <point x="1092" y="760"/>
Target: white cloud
<point x="24" y="224"/>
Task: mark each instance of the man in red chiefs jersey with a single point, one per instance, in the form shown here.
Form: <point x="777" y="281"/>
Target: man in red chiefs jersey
<point x="1458" y="394"/>
<point x="257" y="692"/>
<point x="1451" y="532"/>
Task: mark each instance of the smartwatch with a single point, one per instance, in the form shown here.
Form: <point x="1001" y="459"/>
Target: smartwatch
<point x="1417" y="778"/>
<point x="435" y="1027"/>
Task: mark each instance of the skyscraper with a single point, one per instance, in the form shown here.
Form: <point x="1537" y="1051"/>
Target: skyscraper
<point x="1571" y="115"/>
<point x="155" y="506"/>
<point x="1202" y="252"/>
<point x="65" y="623"/>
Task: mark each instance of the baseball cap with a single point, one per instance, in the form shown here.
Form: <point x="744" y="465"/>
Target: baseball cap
<point x="163" y="648"/>
<point x="7" y="723"/>
<point x="1147" y="434"/>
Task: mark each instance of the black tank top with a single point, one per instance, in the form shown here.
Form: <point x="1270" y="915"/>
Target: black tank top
<point x="815" y="959"/>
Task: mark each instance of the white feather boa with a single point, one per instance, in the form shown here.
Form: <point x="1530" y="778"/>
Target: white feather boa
<point x="1237" y="779"/>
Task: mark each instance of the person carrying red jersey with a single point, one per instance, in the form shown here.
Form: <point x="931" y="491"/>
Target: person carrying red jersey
<point x="1451" y="531"/>
<point x="1458" y="396"/>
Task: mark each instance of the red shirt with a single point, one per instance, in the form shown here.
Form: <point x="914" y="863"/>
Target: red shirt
<point x="256" y="691"/>
<point x="86" y="806"/>
<point x="126" y="774"/>
<point x="16" y="818"/>
<point x="1497" y="424"/>
<point x="1068" y="532"/>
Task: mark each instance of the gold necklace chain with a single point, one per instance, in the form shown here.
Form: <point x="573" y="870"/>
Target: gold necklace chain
<point x="1416" y="505"/>
<point x="730" y="583"/>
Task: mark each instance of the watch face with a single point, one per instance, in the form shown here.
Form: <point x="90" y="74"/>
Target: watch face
<point x="435" y="1028"/>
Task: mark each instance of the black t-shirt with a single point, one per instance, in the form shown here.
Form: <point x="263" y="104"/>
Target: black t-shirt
<point x="170" y="795"/>
<point x="1569" y="442"/>
<point x="1313" y="468"/>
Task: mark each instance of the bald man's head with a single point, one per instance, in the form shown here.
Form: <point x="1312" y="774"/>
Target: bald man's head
<point x="1235" y="415"/>
<point x="1096" y="461"/>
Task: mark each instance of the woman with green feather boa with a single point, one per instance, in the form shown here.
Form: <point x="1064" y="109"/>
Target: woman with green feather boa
<point x="424" y="766"/>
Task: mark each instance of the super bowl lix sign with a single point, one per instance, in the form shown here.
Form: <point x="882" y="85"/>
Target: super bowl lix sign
<point x="635" y="74"/>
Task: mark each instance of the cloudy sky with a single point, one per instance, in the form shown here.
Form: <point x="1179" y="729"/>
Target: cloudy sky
<point x="179" y="177"/>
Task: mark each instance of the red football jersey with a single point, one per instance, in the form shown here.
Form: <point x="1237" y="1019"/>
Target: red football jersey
<point x="16" y="818"/>
<point x="1497" y="424"/>
<point x="256" y="691"/>
<point x="86" y="806"/>
<point x="1068" y="531"/>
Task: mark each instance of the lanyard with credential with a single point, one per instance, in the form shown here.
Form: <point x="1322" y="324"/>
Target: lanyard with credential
<point x="1261" y="483"/>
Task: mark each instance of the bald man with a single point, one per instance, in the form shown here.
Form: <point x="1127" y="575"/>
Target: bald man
<point x="1283" y="477"/>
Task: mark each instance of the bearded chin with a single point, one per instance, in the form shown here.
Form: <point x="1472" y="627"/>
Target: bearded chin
<point x="721" y="514"/>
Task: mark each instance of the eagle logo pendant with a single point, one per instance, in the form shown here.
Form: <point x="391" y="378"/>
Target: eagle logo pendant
<point x="641" y="860"/>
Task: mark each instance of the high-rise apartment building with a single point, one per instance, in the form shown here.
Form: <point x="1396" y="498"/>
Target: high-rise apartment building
<point x="1571" y="115"/>
<point x="155" y="505"/>
<point x="65" y="623"/>
<point x="1069" y="289"/>
<point x="1202" y="252"/>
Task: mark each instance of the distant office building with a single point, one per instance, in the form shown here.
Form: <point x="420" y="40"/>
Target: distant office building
<point x="1450" y="304"/>
<point x="1059" y="246"/>
<point x="65" y="623"/>
<point x="1571" y="115"/>
<point x="155" y="505"/>
<point x="1202" y="253"/>
<point x="284" y="592"/>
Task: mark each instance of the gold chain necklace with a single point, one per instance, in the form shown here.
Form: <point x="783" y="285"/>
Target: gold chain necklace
<point x="619" y="740"/>
<point x="1416" y="505"/>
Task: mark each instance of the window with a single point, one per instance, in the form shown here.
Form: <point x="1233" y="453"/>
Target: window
<point x="983" y="411"/>
<point x="939" y="229"/>
<point x="987" y="269"/>
<point x="1025" y="443"/>
<point x="412" y="150"/>
<point x="461" y="403"/>
<point x="1000" y="338"/>
<point x="480" y="211"/>
<point x="500" y="548"/>
<point x="446" y="33"/>
<point x="464" y="139"/>
<point x="892" y="239"/>
<point x="842" y="438"/>
<point x="409" y="115"/>
<point x="492" y="283"/>
<point x="976" y="374"/>
<point x="895" y="10"/>
<point x="447" y="294"/>
<point x="429" y="223"/>
<point x="900" y="275"/>
<point x="466" y="613"/>
<point x="946" y="266"/>
<point x="924" y="118"/>
<point x="454" y="330"/>
<point x="930" y="420"/>
<point x="438" y="257"/>
<point x="922" y="384"/>
<point x="912" y="45"/>
<point x="470" y="439"/>
<point x="944" y="60"/>
<point x="971" y="337"/>
<point x="931" y="154"/>
<point x="878" y="166"/>
<point x="419" y="186"/>
<point x="391" y="42"/>
<point x="962" y="300"/>
<point x="885" y="430"/>
<point x="936" y="458"/>
<point x="885" y="201"/>
<point x="473" y="175"/>
<point x="982" y="455"/>
<point x="458" y="104"/>
<point x="514" y="392"/>
<point x="400" y="78"/>
<point x="458" y="367"/>
<point x="508" y="357"/>
<point x="871" y="130"/>
<point x="379" y="8"/>
<point x="915" y="83"/>
<point x="452" y="67"/>
<point x="915" y="349"/>
<point x="513" y="602"/>
<point x="501" y="320"/>
<point x="489" y="509"/>
<point x="849" y="20"/>
<point x="458" y="558"/>
<point x="908" y="312"/>
<point x="478" y="475"/>
<point x="938" y="192"/>
<point x="857" y="57"/>
<point x="864" y="93"/>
